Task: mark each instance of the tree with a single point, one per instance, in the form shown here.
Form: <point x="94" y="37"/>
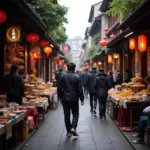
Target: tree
<point x="52" y="15"/>
<point x="123" y="8"/>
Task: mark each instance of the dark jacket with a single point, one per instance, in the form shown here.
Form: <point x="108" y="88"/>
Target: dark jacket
<point x="14" y="87"/>
<point x="58" y="76"/>
<point x="70" y="87"/>
<point x="128" y="78"/>
<point x="84" y="78"/>
<point x="111" y="82"/>
<point x="118" y="79"/>
<point x="91" y="81"/>
<point x="101" y="85"/>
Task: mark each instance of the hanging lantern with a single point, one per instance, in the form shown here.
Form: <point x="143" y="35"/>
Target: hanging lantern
<point x="102" y="43"/>
<point x="105" y="37"/>
<point x="32" y="38"/>
<point x="132" y="44"/>
<point x="112" y="36"/>
<point x="110" y="59"/>
<point x="115" y="55"/>
<point x="2" y="16"/>
<point x="142" y="43"/>
<point x="44" y="43"/>
<point x="55" y="58"/>
<point x="47" y="50"/>
<point x="35" y="56"/>
<point x="106" y="29"/>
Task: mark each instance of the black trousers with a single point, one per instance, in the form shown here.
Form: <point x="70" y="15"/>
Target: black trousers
<point x="93" y="101"/>
<point x="102" y="106"/>
<point x="71" y="107"/>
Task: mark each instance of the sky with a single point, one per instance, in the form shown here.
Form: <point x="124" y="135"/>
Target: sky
<point x="78" y="15"/>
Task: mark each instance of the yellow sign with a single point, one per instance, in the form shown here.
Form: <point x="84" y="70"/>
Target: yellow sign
<point x="13" y="34"/>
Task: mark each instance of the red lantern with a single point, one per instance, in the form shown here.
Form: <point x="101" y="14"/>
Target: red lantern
<point x="106" y="29"/>
<point x="44" y="43"/>
<point x="102" y="43"/>
<point x="2" y="16"/>
<point x="105" y="37"/>
<point x="112" y="36"/>
<point x="142" y="43"/>
<point x="47" y="50"/>
<point x="132" y="44"/>
<point x="110" y="59"/>
<point x="35" y="56"/>
<point x="32" y="38"/>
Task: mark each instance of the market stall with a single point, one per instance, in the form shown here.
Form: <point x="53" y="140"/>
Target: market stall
<point x="127" y="102"/>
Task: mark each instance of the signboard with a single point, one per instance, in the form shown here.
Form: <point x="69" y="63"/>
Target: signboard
<point x="13" y="34"/>
<point x="66" y="48"/>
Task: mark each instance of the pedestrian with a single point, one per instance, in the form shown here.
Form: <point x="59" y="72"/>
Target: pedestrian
<point x="91" y="90"/>
<point x="70" y="90"/>
<point x="118" y="78"/>
<point x="13" y="86"/>
<point x="127" y="76"/>
<point x="102" y="87"/>
<point x="84" y="82"/>
<point x="111" y="80"/>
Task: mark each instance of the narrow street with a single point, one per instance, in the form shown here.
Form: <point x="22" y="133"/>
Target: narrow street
<point x="94" y="134"/>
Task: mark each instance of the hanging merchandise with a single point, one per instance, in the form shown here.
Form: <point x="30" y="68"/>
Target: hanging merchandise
<point x="32" y="38"/>
<point x="132" y="44"/>
<point x="105" y="37"/>
<point x="47" y="50"/>
<point x="2" y="16"/>
<point x="102" y="43"/>
<point x="44" y="43"/>
<point x="142" y="43"/>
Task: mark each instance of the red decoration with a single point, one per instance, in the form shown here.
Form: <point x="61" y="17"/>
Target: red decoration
<point x="102" y="43"/>
<point x="32" y="38"/>
<point x="44" y="43"/>
<point x="2" y="16"/>
<point x="112" y="36"/>
<point x="56" y="58"/>
<point x="105" y="37"/>
<point x="142" y="43"/>
<point x="47" y="50"/>
<point x="132" y="44"/>
<point x="106" y="29"/>
<point x="110" y="59"/>
<point x="39" y="58"/>
<point x="66" y="48"/>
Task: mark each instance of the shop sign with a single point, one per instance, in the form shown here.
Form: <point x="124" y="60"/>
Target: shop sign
<point x="13" y="34"/>
<point x="66" y="48"/>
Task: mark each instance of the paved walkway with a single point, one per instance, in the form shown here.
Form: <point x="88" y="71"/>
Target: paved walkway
<point x="94" y="134"/>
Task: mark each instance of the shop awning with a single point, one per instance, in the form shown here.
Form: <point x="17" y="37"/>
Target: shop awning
<point x="118" y="38"/>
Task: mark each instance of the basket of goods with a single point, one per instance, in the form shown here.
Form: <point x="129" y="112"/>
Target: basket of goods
<point x="118" y="87"/>
<point x="130" y="84"/>
<point x="138" y="85"/>
<point x="25" y="81"/>
<point x="40" y="87"/>
<point x="29" y="97"/>
<point x="29" y="85"/>
<point x="144" y="92"/>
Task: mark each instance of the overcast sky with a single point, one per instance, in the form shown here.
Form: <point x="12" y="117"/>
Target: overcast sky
<point x="77" y="16"/>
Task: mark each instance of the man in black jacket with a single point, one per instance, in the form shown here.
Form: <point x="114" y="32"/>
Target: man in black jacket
<point x="58" y="76"/>
<point x="70" y="90"/>
<point x="91" y="90"/>
<point x="14" y="86"/>
<point x="102" y="86"/>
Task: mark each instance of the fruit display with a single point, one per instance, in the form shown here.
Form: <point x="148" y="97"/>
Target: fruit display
<point x="144" y="92"/>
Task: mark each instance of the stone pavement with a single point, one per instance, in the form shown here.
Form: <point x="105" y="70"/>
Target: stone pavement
<point x="94" y="134"/>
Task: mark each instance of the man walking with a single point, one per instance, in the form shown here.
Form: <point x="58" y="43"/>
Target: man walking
<point x="70" y="90"/>
<point x="102" y="86"/>
<point x="84" y="82"/>
<point x="91" y="90"/>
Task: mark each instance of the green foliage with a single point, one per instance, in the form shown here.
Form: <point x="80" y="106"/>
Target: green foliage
<point x="123" y="8"/>
<point x="52" y="15"/>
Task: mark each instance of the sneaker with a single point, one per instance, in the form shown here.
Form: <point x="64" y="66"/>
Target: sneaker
<point x="69" y="134"/>
<point x="139" y="141"/>
<point x="74" y="132"/>
<point x="94" y="111"/>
